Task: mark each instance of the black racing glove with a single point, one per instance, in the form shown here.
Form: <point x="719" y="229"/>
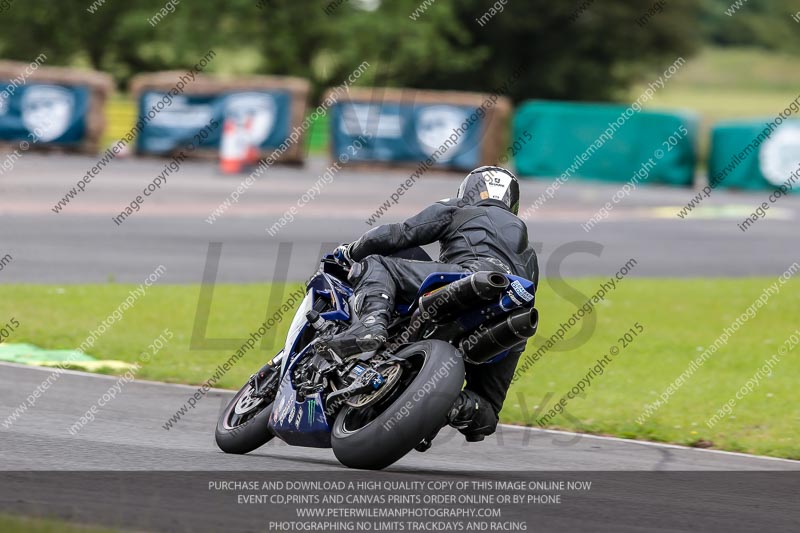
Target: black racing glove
<point x="342" y="256"/>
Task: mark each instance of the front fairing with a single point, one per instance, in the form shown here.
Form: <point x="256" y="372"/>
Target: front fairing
<point x="295" y="422"/>
<point x="304" y="423"/>
<point x="322" y="286"/>
<point x="299" y="323"/>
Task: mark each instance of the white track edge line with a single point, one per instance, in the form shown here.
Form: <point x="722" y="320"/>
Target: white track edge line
<point x="507" y="426"/>
<point x="107" y="376"/>
<point x="649" y="443"/>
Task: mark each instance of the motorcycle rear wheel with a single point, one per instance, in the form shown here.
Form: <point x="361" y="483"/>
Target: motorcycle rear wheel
<point x="375" y="436"/>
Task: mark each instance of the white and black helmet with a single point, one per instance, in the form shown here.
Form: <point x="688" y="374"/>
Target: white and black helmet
<point x="491" y="183"/>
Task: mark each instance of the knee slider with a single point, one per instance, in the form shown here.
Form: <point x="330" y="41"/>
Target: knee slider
<point x="356" y="272"/>
<point x="360" y="269"/>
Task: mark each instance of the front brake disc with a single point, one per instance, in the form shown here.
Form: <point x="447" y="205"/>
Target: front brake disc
<point x="247" y="402"/>
<point x="391" y="373"/>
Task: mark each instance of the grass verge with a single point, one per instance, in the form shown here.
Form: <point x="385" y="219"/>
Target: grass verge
<point x="680" y="319"/>
<point x="20" y="524"/>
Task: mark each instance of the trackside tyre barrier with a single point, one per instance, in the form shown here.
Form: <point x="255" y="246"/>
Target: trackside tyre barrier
<point x="755" y="154"/>
<point x="418" y="129"/>
<point x="174" y="106"/>
<point x="612" y="143"/>
<point x="45" y="107"/>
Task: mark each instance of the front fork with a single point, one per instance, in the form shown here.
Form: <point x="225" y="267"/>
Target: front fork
<point x="265" y="381"/>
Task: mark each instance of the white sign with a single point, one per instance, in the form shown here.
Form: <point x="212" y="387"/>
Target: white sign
<point x="47" y="111"/>
<point x="256" y="112"/>
<point x="780" y="154"/>
<point x="435" y="124"/>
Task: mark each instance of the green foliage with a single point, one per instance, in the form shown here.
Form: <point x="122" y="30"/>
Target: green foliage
<point x="571" y="54"/>
<point x="441" y="47"/>
<point x="766" y="25"/>
<point x="576" y="50"/>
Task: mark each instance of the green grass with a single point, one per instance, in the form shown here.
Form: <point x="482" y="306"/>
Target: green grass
<point x="54" y="317"/>
<point x="19" y="524"/>
<point x="680" y="317"/>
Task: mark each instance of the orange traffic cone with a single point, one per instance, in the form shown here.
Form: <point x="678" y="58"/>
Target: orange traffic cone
<point x="232" y="148"/>
<point x="251" y="153"/>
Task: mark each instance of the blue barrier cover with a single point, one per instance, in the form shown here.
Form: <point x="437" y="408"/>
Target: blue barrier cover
<point x="43" y="113"/>
<point x="448" y="135"/>
<point x="172" y="122"/>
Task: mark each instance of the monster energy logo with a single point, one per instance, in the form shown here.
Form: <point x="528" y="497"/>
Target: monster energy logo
<point x="312" y="403"/>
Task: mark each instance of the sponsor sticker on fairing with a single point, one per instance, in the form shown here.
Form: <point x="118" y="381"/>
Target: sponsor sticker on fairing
<point x="521" y="292"/>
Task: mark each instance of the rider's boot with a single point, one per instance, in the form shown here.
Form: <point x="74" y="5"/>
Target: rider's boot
<point x="472" y="416"/>
<point x="368" y="331"/>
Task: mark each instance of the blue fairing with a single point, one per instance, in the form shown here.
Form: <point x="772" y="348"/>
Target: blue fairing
<point x="299" y="423"/>
<point x="520" y="293"/>
<point x="304" y="423"/>
<point x="434" y="280"/>
<point x="326" y="285"/>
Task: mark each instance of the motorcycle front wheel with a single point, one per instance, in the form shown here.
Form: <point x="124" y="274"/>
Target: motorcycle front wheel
<point x="242" y="427"/>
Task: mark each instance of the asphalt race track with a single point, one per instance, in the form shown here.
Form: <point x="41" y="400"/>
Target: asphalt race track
<point x="82" y="244"/>
<point x="128" y="435"/>
<point x="115" y="466"/>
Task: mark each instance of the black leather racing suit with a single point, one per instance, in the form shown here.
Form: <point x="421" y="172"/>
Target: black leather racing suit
<point x="484" y="236"/>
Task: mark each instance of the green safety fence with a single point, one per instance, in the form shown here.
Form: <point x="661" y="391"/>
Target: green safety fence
<point x="606" y="142"/>
<point x="754" y="155"/>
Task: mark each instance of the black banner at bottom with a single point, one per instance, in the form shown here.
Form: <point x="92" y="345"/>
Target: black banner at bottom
<point x="347" y="501"/>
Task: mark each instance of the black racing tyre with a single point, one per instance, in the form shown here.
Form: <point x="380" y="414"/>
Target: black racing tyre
<point x="375" y="436"/>
<point x="244" y="429"/>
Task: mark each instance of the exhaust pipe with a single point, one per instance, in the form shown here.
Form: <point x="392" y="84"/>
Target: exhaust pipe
<point x="452" y="299"/>
<point x="497" y="337"/>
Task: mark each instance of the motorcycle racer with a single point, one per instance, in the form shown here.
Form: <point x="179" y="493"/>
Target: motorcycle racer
<point x="477" y="231"/>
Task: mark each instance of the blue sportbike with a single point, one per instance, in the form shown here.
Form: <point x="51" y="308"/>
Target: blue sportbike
<point x="373" y="408"/>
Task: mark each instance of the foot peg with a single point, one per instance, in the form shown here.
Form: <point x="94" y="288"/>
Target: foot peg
<point x="424" y="446"/>
<point x="427" y="442"/>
